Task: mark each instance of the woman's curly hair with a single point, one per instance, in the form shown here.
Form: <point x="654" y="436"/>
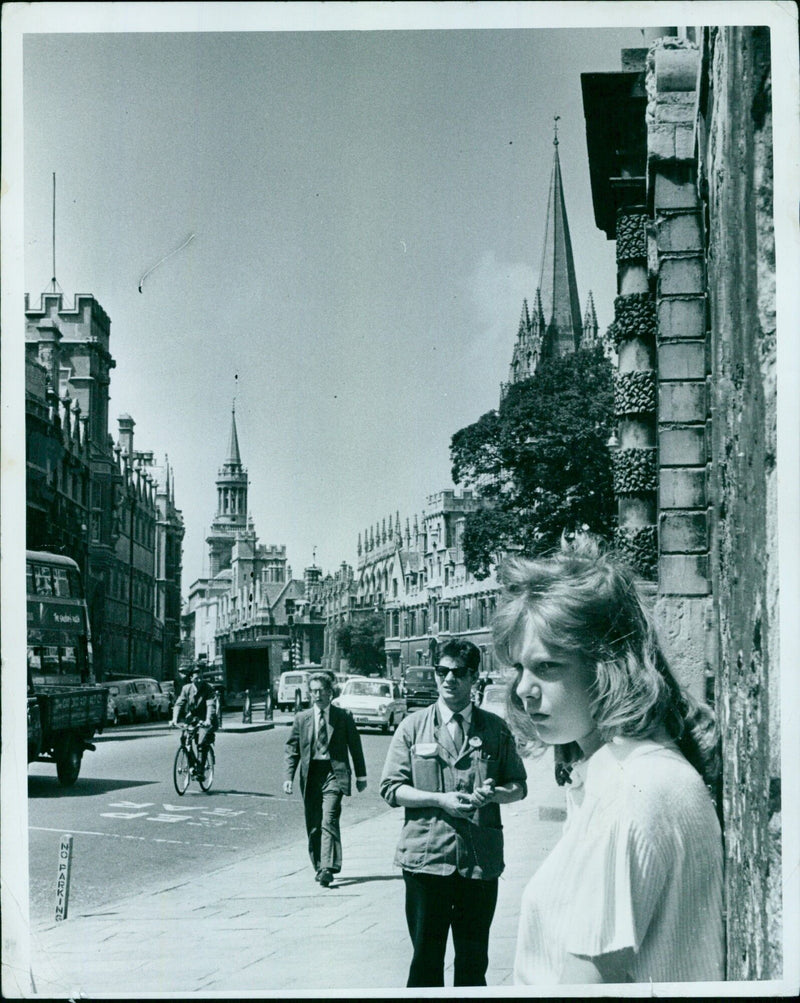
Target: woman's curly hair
<point x="584" y="601"/>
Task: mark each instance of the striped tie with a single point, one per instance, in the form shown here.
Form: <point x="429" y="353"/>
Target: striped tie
<point x="322" y="737"/>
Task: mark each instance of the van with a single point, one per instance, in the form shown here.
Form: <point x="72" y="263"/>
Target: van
<point x="420" y="687"/>
<point x="293" y="689"/>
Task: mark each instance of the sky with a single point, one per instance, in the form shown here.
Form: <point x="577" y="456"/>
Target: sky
<point x="367" y="211"/>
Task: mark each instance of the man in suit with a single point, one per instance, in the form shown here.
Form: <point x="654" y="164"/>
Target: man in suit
<point x="451" y="766"/>
<point x="323" y="740"/>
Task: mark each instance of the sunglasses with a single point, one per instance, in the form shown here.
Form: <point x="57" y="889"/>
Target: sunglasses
<point x="459" y="671"/>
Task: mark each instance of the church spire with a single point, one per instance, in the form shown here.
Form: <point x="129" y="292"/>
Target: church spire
<point x="234" y="457"/>
<point x="557" y="283"/>
<point x="589" y="323"/>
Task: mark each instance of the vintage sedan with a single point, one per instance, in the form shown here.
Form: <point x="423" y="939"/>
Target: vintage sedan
<point x="374" y="703"/>
<point x="494" y="699"/>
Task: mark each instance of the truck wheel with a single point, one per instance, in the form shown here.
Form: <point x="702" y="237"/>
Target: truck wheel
<point x="68" y="763"/>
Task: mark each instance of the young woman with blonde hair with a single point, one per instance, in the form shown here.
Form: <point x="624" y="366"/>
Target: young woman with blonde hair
<point x="632" y="892"/>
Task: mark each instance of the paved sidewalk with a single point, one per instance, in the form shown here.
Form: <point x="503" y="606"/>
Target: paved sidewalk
<point x="263" y="925"/>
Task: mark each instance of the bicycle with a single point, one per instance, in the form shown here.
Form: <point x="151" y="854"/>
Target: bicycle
<point x="191" y="763"/>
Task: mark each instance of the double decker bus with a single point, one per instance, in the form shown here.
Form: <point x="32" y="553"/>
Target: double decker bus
<point x="59" y="635"/>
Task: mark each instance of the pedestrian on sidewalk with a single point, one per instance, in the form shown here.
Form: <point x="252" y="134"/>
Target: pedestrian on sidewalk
<point x="451" y="766"/>
<point x="632" y="892"/>
<point x="322" y="741"/>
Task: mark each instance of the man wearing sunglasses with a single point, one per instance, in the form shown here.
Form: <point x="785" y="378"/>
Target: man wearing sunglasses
<point x="451" y="766"/>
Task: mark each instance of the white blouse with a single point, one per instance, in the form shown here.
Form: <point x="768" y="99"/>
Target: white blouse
<point x="639" y="865"/>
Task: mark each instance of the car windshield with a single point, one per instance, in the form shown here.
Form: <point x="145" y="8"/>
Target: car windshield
<point x="420" y="676"/>
<point x="367" y="689"/>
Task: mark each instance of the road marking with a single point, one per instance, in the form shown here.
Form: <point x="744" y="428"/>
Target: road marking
<point x="122" y="814"/>
<point x="167" y="818"/>
<point x="131" y="804"/>
<point x="183" y="807"/>
<point x="142" y="839"/>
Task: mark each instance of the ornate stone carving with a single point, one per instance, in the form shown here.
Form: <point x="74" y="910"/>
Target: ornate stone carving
<point x="635" y="393"/>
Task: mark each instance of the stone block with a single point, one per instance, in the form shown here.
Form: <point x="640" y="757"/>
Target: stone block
<point x="661" y="141"/>
<point x="682" y="626"/>
<point x="635" y="356"/>
<point x="682" y="447"/>
<point x="683" y="317"/>
<point x="684" y="402"/>
<point x="679" y="231"/>
<point x="684" y="142"/>
<point x="636" y="433"/>
<point x="681" y="276"/>
<point x="676" y="109"/>
<point x="683" y="575"/>
<point x="682" y="360"/>
<point x="683" y="533"/>
<point x="674" y="192"/>
<point x="682" y="488"/>
<point x="676" y="70"/>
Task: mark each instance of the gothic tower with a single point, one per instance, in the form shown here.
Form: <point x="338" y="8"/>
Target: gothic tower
<point x="231" y="517"/>
<point x="554" y="327"/>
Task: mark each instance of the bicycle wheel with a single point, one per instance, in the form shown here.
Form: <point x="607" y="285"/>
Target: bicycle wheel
<point x="207" y="778"/>
<point x="181" y="771"/>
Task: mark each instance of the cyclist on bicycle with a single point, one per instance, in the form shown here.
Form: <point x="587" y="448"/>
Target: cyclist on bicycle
<point x="198" y="701"/>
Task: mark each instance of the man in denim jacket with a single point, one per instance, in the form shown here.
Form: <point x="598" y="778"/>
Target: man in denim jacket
<point x="451" y="766"/>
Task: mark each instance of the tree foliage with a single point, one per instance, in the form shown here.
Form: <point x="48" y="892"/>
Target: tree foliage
<point x="541" y="462"/>
<point x="362" y="643"/>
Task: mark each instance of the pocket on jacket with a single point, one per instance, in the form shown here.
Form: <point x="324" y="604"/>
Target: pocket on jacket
<point x="486" y="768"/>
<point x="426" y="770"/>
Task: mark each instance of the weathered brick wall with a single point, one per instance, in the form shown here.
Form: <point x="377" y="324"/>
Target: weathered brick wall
<point x="736" y="167"/>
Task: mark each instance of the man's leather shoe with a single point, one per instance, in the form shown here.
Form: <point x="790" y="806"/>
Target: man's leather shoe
<point x="325" y="877"/>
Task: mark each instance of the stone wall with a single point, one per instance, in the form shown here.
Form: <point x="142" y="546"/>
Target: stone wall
<point x="735" y="148"/>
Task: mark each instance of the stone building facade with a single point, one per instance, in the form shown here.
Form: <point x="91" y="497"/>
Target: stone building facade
<point x="417" y="579"/>
<point x="680" y="147"/>
<point x="106" y="506"/>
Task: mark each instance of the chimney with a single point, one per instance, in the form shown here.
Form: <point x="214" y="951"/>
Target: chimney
<point x="126" y="424"/>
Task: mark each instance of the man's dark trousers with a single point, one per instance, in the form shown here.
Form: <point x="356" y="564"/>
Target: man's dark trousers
<point x="434" y="905"/>
<point x="323" y="810"/>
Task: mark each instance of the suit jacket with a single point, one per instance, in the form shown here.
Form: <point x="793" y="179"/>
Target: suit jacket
<point x="422" y="755"/>
<point x="344" y="743"/>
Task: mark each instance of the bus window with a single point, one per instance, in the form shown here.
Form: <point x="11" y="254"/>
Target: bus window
<point x="35" y="659"/>
<point x="69" y="661"/>
<point x="44" y="582"/>
<point x="50" y="660"/>
<point x="75" y="589"/>
<point x="61" y="583"/>
<point x="29" y="579"/>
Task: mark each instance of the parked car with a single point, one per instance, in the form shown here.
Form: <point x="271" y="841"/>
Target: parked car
<point x="126" y="700"/>
<point x="376" y="703"/>
<point x="494" y="699"/>
<point x="156" y="703"/>
<point x="138" y="700"/>
<point x="420" y="687"/>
